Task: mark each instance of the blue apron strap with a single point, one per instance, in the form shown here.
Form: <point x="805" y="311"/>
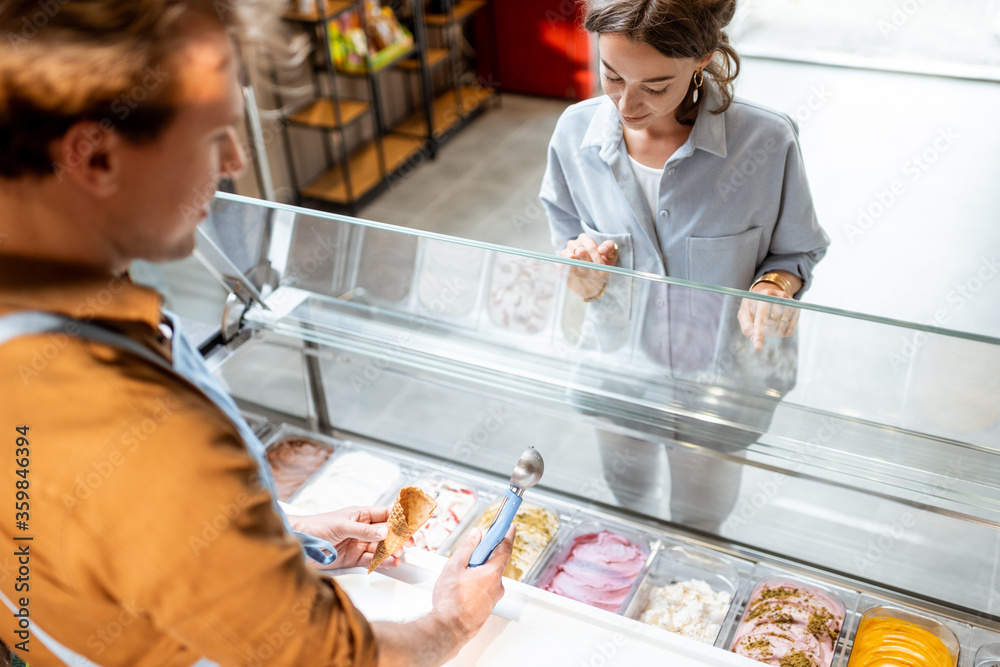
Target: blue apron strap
<point x="190" y="365"/>
<point x="35" y="322"/>
<point x="191" y="368"/>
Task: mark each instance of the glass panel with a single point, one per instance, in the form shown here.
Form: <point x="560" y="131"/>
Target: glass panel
<point x="853" y="442"/>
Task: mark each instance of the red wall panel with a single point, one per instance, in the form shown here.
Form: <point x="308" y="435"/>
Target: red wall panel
<point x="542" y="48"/>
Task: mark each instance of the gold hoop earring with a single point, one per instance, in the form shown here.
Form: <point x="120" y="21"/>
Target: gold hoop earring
<point x="699" y="78"/>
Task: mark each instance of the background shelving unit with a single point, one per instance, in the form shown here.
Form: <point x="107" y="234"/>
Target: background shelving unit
<point x="363" y="147"/>
<point x="358" y="159"/>
<point x="460" y="94"/>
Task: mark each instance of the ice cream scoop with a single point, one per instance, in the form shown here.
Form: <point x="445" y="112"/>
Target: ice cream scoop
<point x="527" y="472"/>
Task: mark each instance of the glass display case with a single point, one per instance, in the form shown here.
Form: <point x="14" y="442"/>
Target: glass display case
<point x="855" y="457"/>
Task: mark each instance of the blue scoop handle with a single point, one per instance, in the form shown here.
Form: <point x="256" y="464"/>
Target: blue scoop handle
<point x="495" y="533"/>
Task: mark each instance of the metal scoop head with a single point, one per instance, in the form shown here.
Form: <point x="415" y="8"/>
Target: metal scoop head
<point x="528" y="469"/>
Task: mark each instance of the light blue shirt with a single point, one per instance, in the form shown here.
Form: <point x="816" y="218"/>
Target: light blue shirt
<point x="734" y="201"/>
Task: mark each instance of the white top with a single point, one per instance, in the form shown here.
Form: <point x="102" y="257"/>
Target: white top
<point x="649" y="182"/>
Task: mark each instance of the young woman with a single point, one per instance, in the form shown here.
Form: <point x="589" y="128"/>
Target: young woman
<point x="668" y="173"/>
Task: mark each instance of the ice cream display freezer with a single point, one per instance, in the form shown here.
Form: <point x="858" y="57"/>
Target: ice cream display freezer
<point x="810" y="503"/>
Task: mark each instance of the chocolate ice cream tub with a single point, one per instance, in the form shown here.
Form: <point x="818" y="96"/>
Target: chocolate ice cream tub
<point x="599" y="563"/>
<point x="691" y="591"/>
<point x="295" y="456"/>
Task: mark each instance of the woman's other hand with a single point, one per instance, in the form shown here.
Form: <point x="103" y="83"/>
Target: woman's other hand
<point x="760" y="319"/>
<point x="587" y="284"/>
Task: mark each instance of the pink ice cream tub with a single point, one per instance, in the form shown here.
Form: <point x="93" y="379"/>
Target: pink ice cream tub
<point x="598" y="565"/>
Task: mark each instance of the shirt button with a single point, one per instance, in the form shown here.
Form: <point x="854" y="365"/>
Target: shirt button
<point x="664" y="213"/>
<point x="671" y="172"/>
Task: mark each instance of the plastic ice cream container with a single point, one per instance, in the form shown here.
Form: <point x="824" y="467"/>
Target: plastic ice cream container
<point x="890" y="636"/>
<point x="689" y="591"/>
<point x="293" y="460"/>
<point x="537" y="527"/>
<point x="988" y="655"/>
<point x="522" y="294"/>
<point x="455" y="501"/>
<point x="789" y="622"/>
<point x="598" y="564"/>
<point x="350" y="478"/>
<point x="386" y="265"/>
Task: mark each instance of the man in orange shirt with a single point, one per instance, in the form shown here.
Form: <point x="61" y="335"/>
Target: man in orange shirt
<point x="116" y="120"/>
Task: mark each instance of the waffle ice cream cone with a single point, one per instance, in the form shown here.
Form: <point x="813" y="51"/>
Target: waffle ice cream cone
<point x="409" y="512"/>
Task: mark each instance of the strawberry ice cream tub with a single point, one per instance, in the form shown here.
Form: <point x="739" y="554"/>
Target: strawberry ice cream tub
<point x="599" y="565"/>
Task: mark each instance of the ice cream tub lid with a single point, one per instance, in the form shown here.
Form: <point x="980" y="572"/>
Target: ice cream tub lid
<point x="598" y="563"/>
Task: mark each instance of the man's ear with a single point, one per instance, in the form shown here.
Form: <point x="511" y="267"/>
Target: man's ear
<point x="89" y="154"/>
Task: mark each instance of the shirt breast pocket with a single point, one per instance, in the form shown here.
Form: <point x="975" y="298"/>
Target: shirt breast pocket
<point x="725" y="261"/>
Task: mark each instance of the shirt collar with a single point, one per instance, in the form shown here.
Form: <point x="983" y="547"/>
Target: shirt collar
<point x="76" y="291"/>
<point x="708" y="134"/>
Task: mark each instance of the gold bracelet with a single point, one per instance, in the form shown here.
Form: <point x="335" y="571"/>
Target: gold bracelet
<point x="777" y="279"/>
<point x="597" y="296"/>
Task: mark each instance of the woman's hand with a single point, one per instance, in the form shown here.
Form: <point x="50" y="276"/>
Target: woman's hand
<point x="354" y="531"/>
<point x="759" y="319"/>
<point x="587" y="284"/>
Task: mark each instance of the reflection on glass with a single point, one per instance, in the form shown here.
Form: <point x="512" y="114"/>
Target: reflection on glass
<point x="313" y="256"/>
<point x="697" y="364"/>
<point x="237" y="230"/>
<point x="386" y="267"/>
<point x="449" y="277"/>
<point x="521" y="293"/>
